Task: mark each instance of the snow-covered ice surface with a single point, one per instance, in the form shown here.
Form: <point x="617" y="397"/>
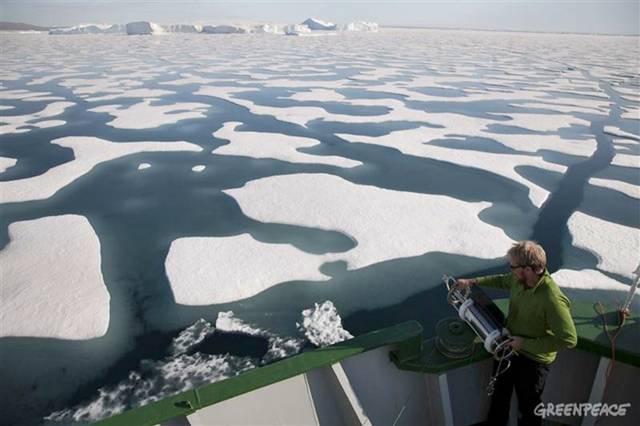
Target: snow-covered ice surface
<point x="261" y="175"/>
<point x="322" y="325"/>
<point x="51" y="282"/>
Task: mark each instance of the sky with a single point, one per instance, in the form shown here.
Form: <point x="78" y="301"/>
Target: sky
<point x="603" y="16"/>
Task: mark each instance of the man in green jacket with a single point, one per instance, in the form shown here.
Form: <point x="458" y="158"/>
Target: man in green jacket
<point x="540" y="324"/>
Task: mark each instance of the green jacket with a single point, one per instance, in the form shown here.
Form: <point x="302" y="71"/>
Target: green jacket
<point x="541" y="315"/>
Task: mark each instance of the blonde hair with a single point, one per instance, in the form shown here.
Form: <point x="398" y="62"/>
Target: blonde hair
<point x="528" y="253"/>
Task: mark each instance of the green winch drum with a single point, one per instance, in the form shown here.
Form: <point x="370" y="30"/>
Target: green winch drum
<point x="454" y="338"/>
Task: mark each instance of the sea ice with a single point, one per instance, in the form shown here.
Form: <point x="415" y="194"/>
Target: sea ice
<point x="6" y="162"/>
<point x="52" y="284"/>
<point x="18" y="123"/>
<point x="616" y="246"/>
<point x="386" y="224"/>
<point x="627" y="189"/>
<point x="88" y="152"/>
<point x="143" y="115"/>
<point x="273" y="145"/>
<point x="626" y="160"/>
<point x="616" y="131"/>
<point x="412" y="142"/>
<point x="131" y="93"/>
<point x="21" y="94"/>
<point x="322" y="325"/>
<point x="200" y="272"/>
<point x="601" y="288"/>
<point x="191" y="336"/>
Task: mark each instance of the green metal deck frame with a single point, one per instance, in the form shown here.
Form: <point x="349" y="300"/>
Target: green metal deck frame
<point x="407" y="337"/>
<point x="591" y="338"/>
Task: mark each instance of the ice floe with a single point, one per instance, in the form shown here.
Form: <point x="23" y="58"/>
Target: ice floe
<point x="88" y="152"/>
<point x="144" y="115"/>
<point x="22" y="95"/>
<point x="616" y="131"/>
<point x="199" y="268"/>
<point x="413" y="142"/>
<point x="600" y="287"/>
<point x="273" y="145"/>
<point x="385" y="224"/>
<point x="616" y="246"/>
<point x="131" y="93"/>
<point x="627" y="189"/>
<point x="52" y="283"/>
<point x="191" y="336"/>
<point x="21" y="123"/>
<point x="322" y="325"/>
<point x="5" y="163"/>
<point x="626" y="160"/>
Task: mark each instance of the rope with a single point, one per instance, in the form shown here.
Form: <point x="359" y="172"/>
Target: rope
<point x="599" y="308"/>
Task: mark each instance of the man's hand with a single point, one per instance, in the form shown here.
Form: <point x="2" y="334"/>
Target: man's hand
<point x="516" y="342"/>
<point x="464" y="283"/>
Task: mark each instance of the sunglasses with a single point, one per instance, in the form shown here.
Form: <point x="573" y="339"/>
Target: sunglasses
<point x="514" y="267"/>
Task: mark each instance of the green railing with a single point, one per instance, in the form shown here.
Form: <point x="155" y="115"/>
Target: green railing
<point x="407" y="337"/>
<point x="590" y="327"/>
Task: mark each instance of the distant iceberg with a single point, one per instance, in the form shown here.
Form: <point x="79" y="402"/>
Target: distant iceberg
<point x="296" y="29"/>
<point x="316" y="24"/>
<point x="224" y="29"/>
<point x="90" y="29"/>
<point x="182" y="28"/>
<point x="144" y="28"/>
<point x="268" y="29"/>
<point x="311" y="26"/>
<point x="360" y="26"/>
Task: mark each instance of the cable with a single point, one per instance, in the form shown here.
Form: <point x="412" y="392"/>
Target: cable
<point x="599" y="308"/>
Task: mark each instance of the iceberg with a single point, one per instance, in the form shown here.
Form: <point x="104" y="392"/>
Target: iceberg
<point x="224" y="29"/>
<point x="360" y="26"/>
<point x="90" y="29"/>
<point x="182" y="28"/>
<point x="267" y="29"/>
<point x="144" y="28"/>
<point x="149" y="28"/>
<point x="296" y="29"/>
<point x="316" y="24"/>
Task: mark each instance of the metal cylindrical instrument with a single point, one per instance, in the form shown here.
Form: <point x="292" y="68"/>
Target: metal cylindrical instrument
<point x="494" y="335"/>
